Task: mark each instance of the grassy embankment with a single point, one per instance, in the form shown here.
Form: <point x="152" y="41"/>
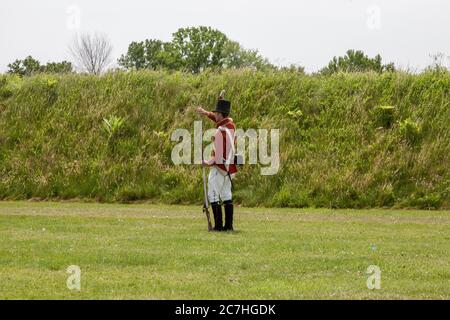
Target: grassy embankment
<point x="342" y="144"/>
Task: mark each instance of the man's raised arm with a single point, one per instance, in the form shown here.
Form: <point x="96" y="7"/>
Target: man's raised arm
<point x="210" y="115"/>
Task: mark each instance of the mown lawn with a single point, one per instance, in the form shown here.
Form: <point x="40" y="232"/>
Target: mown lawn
<point x="165" y="252"/>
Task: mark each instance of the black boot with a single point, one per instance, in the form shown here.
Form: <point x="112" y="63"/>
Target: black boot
<point x="228" y="215"/>
<point x="217" y="211"/>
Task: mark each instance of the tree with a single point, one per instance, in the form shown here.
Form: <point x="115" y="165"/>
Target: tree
<point x="25" y="67"/>
<point x="194" y="50"/>
<point x="16" y="67"/>
<point x="30" y="66"/>
<point x="91" y="53"/>
<point x="149" y="54"/>
<point x="294" y="68"/>
<point x="199" y="48"/>
<point x="58" y="67"/>
<point x="356" y="61"/>
<point x="236" y="56"/>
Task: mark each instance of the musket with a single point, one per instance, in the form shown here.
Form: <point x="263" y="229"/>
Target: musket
<point x="206" y="202"/>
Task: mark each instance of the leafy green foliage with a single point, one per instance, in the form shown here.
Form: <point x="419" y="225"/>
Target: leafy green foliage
<point x="151" y="55"/>
<point x="199" y="48"/>
<point x="410" y="131"/>
<point x="297" y="114"/>
<point x="194" y="50"/>
<point x="9" y="85"/>
<point x="357" y="61"/>
<point x="25" y="67"/>
<point x="57" y="67"/>
<point x="112" y="126"/>
<point x="384" y="116"/>
<point x="30" y="66"/>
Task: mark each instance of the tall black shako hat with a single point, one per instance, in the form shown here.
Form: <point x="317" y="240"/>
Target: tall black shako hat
<point x="223" y="106"/>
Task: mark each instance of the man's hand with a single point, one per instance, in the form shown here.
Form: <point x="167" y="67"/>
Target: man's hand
<point x="201" y="111"/>
<point x="207" y="163"/>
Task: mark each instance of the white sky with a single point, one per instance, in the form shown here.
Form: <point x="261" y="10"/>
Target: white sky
<point x="305" y="32"/>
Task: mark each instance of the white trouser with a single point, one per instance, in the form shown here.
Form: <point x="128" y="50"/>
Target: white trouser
<point x="219" y="185"/>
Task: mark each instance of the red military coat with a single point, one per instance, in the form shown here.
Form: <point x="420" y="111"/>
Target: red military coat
<point x="224" y="144"/>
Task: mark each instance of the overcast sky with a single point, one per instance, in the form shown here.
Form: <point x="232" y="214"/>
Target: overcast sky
<point x="304" y="32"/>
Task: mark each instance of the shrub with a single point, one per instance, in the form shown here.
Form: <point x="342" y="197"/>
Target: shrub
<point x="383" y="116"/>
<point x="112" y="125"/>
<point x="410" y="131"/>
<point x="9" y="85"/>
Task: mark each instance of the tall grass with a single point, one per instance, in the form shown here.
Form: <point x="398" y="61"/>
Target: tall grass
<point x="347" y="140"/>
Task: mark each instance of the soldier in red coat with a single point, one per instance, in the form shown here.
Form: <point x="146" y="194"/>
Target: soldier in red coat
<point x="222" y="164"/>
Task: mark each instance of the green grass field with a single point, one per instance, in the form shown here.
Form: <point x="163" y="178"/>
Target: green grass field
<point x="164" y="252"/>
